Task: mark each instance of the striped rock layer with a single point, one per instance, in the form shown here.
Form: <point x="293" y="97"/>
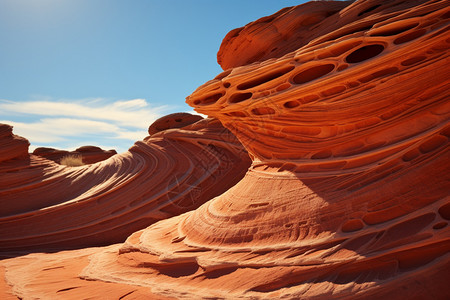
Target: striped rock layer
<point x="45" y="205"/>
<point x="347" y="196"/>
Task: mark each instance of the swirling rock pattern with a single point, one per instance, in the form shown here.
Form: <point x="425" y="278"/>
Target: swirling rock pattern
<point x="89" y="154"/>
<point x="347" y="195"/>
<point x="46" y="205"/>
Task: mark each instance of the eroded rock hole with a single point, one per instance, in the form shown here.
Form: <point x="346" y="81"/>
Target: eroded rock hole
<point x="444" y="211"/>
<point x="291" y="104"/>
<point x="322" y="154"/>
<point x="283" y="87"/>
<point x="440" y="225"/>
<point x="369" y="10"/>
<point x="263" y="111"/>
<point x="364" y="53"/>
<point x="334" y="90"/>
<point x="312" y="73"/>
<point x="209" y="99"/>
<point x="381" y="73"/>
<point x="409" y="37"/>
<point x="177" y="270"/>
<point x="446" y="15"/>
<point x="239" y="97"/>
<point x="432" y="144"/>
<point x="352" y="225"/>
<point x="236" y="114"/>
<point x="413" y="60"/>
<point x="266" y="78"/>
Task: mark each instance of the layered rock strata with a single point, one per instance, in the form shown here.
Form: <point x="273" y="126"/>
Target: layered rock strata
<point x="45" y="205"/>
<point x="347" y="195"/>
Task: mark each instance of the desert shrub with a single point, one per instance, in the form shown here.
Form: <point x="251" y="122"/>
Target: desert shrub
<point x="72" y="160"/>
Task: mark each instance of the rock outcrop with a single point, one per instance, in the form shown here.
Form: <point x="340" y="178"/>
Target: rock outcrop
<point x="89" y="154"/>
<point x="347" y="195"/>
<point x="45" y="205"/>
<point x="12" y="146"/>
<point x="176" y="120"/>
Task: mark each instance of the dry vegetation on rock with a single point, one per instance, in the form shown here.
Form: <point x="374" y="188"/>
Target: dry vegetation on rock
<point x="72" y="161"/>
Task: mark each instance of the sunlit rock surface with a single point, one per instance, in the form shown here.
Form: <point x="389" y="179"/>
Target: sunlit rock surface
<point x="45" y="205"/>
<point x="348" y="193"/>
<point x="88" y="154"/>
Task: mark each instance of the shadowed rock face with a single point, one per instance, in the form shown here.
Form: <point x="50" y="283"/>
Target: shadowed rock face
<point x="89" y="154"/>
<point x="347" y="195"/>
<point x="45" y="205"/>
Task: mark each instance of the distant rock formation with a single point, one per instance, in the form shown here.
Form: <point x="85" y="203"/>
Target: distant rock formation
<point x="176" y="120"/>
<point x="12" y="146"/>
<point x="347" y="197"/>
<point x="89" y="154"/>
<point x="48" y="206"/>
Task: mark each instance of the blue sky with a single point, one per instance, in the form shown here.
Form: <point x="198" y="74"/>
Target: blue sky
<point x="99" y="72"/>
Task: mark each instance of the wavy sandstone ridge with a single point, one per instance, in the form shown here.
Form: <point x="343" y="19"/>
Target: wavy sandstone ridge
<point x="47" y="205"/>
<point x="347" y="195"/>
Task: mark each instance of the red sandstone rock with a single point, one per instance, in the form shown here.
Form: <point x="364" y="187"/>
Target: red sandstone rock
<point x="176" y="120"/>
<point x="347" y="196"/>
<point x="45" y="205"/>
<point x="279" y="34"/>
<point x="13" y="146"/>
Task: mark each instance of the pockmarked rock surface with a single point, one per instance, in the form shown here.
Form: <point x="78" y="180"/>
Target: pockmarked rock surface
<point x="45" y="205"/>
<point x="347" y="196"/>
<point x="88" y="154"/>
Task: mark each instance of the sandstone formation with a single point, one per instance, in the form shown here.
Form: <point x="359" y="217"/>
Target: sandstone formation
<point x="176" y="120"/>
<point x="279" y="34"/>
<point x="347" y="196"/>
<point x="89" y="154"/>
<point x="45" y="205"/>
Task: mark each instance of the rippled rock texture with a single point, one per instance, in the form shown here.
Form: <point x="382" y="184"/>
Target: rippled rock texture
<point x="46" y="205"/>
<point x="347" y="196"/>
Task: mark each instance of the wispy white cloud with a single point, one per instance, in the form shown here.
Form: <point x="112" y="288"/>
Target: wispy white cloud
<point x="133" y="113"/>
<point x="58" y="129"/>
<point x="70" y="124"/>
